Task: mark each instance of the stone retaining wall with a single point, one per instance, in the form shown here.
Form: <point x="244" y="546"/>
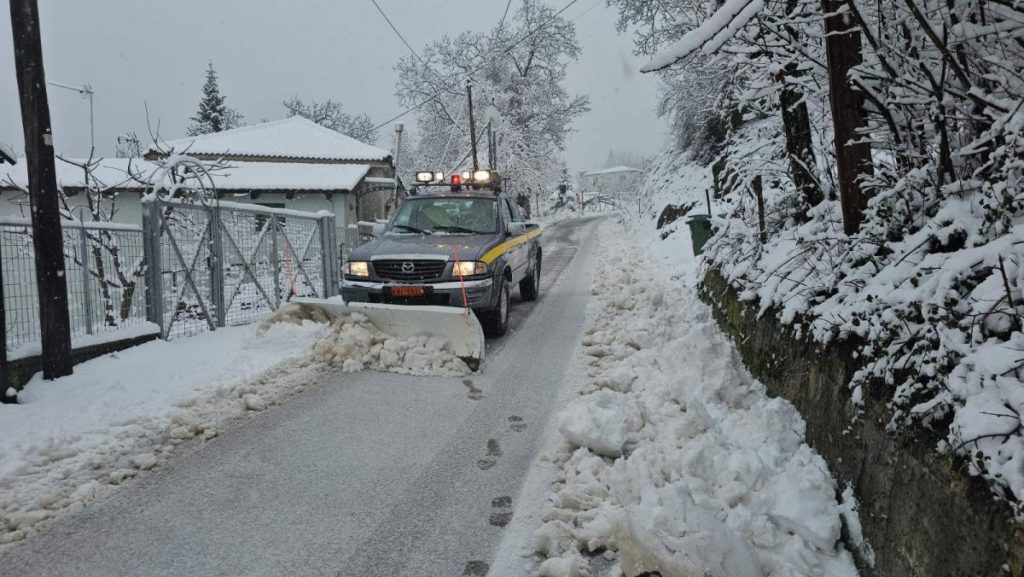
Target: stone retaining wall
<point x="922" y="514"/>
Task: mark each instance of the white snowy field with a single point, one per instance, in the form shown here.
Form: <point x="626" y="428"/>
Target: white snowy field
<point x="72" y="440"/>
<point x="671" y="457"/>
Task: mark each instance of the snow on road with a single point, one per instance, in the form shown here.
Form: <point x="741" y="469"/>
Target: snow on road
<point x="674" y="458"/>
<point x="74" y="439"/>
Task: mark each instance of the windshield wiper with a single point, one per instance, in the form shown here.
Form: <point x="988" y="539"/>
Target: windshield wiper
<point x="457" y="229"/>
<point x="412" y="229"/>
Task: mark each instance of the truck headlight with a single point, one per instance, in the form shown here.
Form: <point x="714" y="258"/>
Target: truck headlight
<point x="357" y="268"/>
<point x="469" y="268"/>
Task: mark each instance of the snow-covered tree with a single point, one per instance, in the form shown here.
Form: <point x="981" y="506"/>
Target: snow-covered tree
<point x="924" y="100"/>
<point x="518" y="73"/>
<point x="213" y="115"/>
<point x="331" y="114"/>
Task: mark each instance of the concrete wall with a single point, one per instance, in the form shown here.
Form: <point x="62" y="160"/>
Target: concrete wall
<point x="922" y="513"/>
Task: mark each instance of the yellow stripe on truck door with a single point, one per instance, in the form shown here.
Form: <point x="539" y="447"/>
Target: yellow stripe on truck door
<point x="493" y="254"/>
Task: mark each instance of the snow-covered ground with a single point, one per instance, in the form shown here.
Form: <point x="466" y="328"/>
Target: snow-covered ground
<point x="72" y="440"/>
<point x="672" y="458"/>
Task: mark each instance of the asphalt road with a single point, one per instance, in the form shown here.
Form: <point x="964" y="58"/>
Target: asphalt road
<point x="367" y="475"/>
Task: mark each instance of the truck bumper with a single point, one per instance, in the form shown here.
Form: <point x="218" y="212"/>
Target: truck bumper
<point x="479" y="293"/>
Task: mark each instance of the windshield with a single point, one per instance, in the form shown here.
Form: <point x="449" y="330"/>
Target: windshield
<point x="446" y="215"/>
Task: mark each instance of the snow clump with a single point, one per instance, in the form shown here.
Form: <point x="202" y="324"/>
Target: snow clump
<point x="680" y="462"/>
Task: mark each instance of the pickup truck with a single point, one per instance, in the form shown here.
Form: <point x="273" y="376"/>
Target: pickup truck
<point x="460" y="249"/>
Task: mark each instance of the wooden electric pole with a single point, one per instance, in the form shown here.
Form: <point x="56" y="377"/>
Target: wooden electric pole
<point x="54" y="324"/>
<point x="472" y="125"/>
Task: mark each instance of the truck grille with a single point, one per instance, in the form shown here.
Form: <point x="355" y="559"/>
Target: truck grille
<point x="400" y="269"/>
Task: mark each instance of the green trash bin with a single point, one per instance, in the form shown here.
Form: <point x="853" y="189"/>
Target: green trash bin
<point x="700" y="231"/>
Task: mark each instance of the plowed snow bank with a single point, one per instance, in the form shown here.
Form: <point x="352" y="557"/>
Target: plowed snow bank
<point x="679" y="460"/>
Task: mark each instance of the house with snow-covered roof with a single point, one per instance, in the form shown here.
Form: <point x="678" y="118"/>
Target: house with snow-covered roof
<point x="618" y="181"/>
<point x="291" y="163"/>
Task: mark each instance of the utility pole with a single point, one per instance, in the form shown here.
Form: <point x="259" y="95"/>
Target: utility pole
<point x="398" y="152"/>
<point x="490" y="146"/>
<point x="54" y="324"/>
<point x="472" y="124"/>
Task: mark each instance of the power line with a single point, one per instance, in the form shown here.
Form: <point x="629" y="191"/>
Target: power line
<point x="504" y="51"/>
<point x="402" y="38"/>
<point x="502" y="21"/>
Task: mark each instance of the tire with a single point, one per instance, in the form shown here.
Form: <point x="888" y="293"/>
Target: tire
<point x="496" y="319"/>
<point x="529" y="287"/>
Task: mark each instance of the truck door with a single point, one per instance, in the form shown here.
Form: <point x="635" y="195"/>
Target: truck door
<point x="519" y="255"/>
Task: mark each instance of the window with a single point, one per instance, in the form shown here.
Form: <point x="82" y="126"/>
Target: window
<point x="506" y="212"/>
<point x="514" y="210"/>
<point x="446" y="215"/>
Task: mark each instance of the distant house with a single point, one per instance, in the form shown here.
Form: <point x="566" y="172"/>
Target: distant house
<point x="618" y="181"/>
<point x="292" y="163"/>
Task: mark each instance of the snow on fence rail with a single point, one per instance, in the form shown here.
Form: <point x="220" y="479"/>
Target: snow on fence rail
<point x="190" y="268"/>
<point x="105" y="265"/>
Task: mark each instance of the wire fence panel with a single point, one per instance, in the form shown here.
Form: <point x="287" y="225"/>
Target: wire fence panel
<point x="226" y="264"/>
<point x="105" y="274"/>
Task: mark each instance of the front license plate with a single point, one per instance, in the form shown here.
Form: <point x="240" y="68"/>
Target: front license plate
<point x="406" y="291"/>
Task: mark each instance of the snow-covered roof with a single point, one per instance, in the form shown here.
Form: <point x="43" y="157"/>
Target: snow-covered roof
<point x="288" y="176"/>
<point x="291" y="138"/>
<point x="613" y="170"/>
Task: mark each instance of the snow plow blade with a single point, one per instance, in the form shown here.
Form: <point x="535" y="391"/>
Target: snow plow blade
<point x="458" y="327"/>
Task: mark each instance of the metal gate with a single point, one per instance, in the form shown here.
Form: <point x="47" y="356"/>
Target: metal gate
<point x="214" y="264"/>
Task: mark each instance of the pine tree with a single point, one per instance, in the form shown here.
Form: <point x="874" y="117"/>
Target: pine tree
<point x="213" y="114"/>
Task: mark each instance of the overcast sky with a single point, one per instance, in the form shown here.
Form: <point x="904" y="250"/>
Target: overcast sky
<point x="155" y="52"/>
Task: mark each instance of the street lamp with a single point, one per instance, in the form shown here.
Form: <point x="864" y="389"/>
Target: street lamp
<point x="84" y="90"/>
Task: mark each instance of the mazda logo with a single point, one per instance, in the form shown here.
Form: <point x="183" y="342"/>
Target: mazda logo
<point x="408" y="267"/>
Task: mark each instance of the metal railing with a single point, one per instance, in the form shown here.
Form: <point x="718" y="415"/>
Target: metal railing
<point x="190" y="268"/>
<point x="105" y="273"/>
<point x="216" y="264"/>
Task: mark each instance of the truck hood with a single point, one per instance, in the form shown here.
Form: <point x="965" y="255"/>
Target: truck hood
<point x="467" y="246"/>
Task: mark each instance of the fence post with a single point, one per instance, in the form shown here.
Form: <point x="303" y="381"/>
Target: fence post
<point x="154" y="269"/>
<point x="83" y="247"/>
<point x="4" y="382"/>
<point x="216" y="265"/>
<point x="328" y="255"/>
<point x="275" y="262"/>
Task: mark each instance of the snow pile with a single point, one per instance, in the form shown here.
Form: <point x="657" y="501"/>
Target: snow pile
<point x="74" y="439"/>
<point x="681" y="463"/>
<point x="354" y="344"/>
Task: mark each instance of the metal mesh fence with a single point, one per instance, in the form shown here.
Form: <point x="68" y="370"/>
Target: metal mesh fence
<point x="186" y="270"/>
<point x="105" y="276"/>
<point x="227" y="264"/>
<point x="208" y="266"/>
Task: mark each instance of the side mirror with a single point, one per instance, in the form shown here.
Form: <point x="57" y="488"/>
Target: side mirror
<point x="517" y="228"/>
<point x="379" y="228"/>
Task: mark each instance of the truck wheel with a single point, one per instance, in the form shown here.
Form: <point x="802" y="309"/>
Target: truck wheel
<point x="496" y="321"/>
<point x="529" y="287"/>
